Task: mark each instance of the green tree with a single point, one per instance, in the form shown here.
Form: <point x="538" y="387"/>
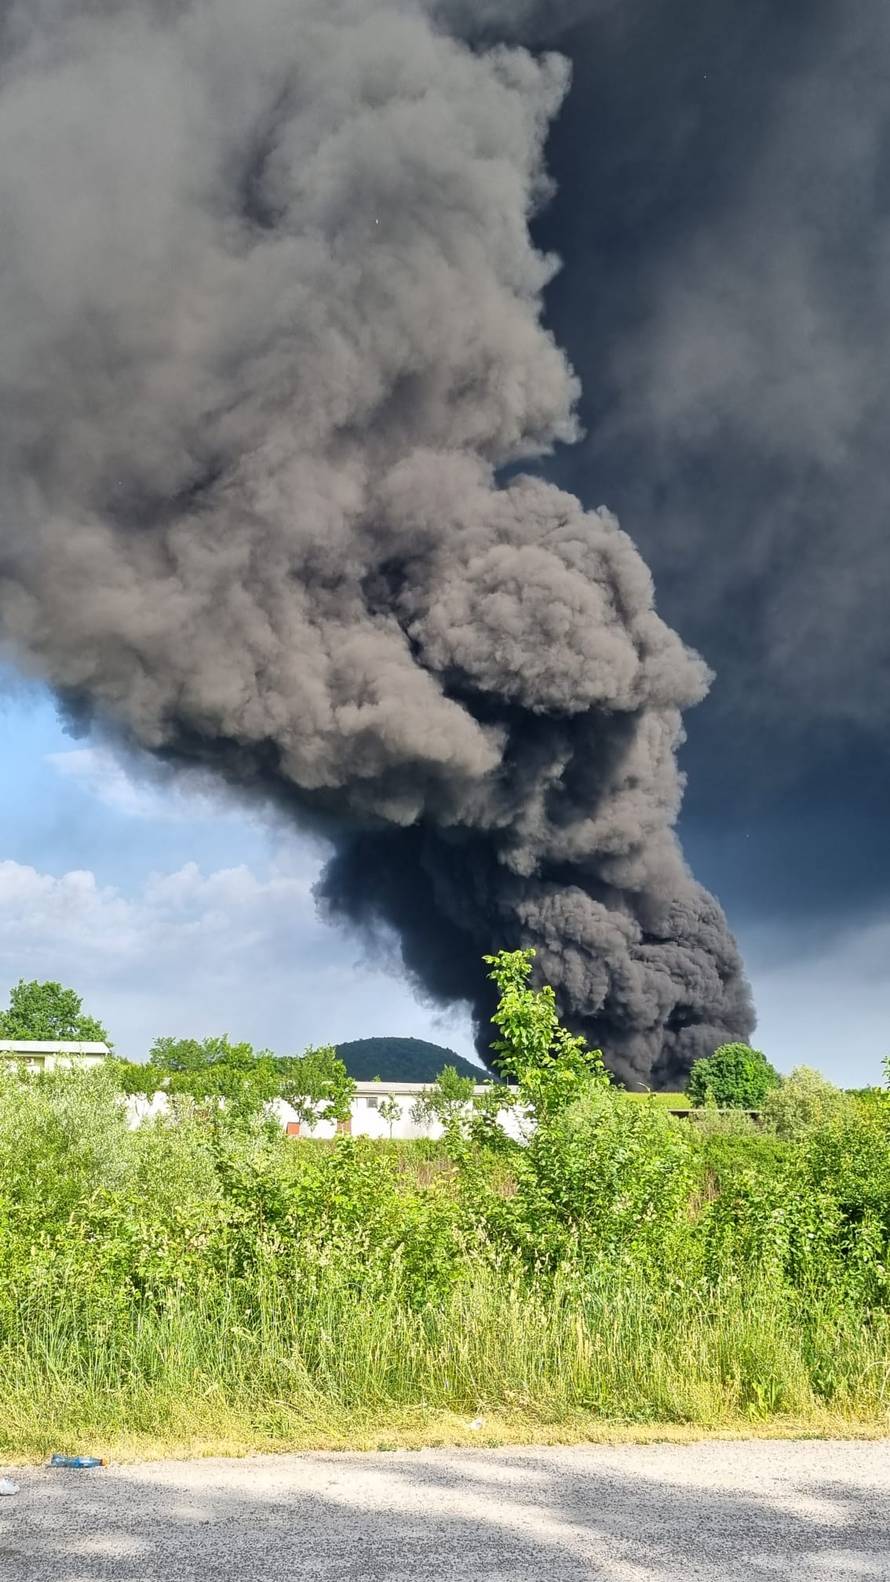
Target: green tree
<point x="134" y="1077"/>
<point x="449" y="1101"/>
<point x="390" y="1111"/>
<point x="193" y="1054"/>
<point x="47" y="1011"/>
<point x="734" y="1077"/>
<point x="214" y="1068"/>
<point x="316" y="1085"/>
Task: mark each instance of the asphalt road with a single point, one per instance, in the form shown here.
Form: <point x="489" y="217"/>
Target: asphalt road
<point x="760" y="1509"/>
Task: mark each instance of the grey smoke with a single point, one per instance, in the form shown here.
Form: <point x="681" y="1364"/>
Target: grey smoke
<point x="271" y="325"/>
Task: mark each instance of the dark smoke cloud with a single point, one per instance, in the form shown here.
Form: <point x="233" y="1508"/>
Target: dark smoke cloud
<point x="724" y="213"/>
<point x="271" y="323"/>
<point x="527" y="20"/>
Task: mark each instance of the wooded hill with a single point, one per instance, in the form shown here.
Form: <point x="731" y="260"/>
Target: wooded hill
<point x="402" y="1060"/>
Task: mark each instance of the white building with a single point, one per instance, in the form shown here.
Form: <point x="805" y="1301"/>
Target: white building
<point x="39" y="1055"/>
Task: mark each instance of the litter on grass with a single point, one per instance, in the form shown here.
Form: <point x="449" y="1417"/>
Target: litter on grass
<point x="76" y="1461"/>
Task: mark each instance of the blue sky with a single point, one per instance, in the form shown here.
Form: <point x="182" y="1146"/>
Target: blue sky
<point x="174" y="911"/>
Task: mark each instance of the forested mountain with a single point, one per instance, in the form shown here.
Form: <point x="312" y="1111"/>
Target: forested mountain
<point x="402" y="1060"/>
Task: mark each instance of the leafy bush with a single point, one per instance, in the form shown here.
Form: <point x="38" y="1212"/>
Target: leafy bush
<point x="63" y="1136"/>
<point x="551" y="1066"/>
<point x="463" y="1113"/>
<point x="708" y="1121"/>
<point x="316" y="1085"/>
<point x="735" y="1076"/>
<point x="605" y="1180"/>
<point x="802" y="1102"/>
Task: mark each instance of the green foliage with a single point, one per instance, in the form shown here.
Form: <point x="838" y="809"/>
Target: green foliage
<point x="193" y="1054"/>
<point x="390" y="1111"/>
<point x="316" y="1085"/>
<point x="465" y="1115"/>
<point x="402" y="1060"/>
<point x="734" y="1077"/>
<point x="62" y="1137"/>
<point x="552" y="1066"/>
<point x="47" y="1011"/>
<point x="199" y="1275"/>
<point x="448" y="1101"/>
<point x="724" y="1155"/>
<point x="132" y="1077"/>
<point x="607" y="1181"/>
<point x="802" y="1102"/>
<point x="489" y="1108"/>
<point x="210" y="1070"/>
<point x="604" y="1176"/>
<point x="846" y="1163"/>
<point x="708" y="1121"/>
<point x="665" y="1099"/>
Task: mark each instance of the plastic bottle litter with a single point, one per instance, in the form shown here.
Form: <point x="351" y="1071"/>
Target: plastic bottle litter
<point x="77" y="1461"/>
<point x="8" y="1487"/>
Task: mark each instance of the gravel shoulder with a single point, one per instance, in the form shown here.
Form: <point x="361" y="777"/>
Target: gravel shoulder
<point x="813" y="1509"/>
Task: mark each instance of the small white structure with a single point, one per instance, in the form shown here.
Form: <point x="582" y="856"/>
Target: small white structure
<point x="39" y="1055"/>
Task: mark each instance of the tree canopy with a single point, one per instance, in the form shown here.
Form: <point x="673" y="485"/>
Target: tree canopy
<point x="734" y="1077"/>
<point x="47" y="1011"/>
<point x="315" y="1084"/>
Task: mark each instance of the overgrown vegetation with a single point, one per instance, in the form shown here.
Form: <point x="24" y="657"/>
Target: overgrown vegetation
<point x="202" y="1282"/>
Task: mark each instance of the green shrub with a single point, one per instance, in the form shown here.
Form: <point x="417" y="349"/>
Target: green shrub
<point x="608" y="1178"/>
<point x="63" y="1135"/>
<point x="708" y="1121"/>
<point x="802" y="1102"/>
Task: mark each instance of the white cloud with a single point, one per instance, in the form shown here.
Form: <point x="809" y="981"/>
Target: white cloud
<point x="191" y="952"/>
<point x="139" y="788"/>
<point x="44" y="913"/>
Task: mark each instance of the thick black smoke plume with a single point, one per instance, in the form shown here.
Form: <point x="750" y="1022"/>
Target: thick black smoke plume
<point x="270" y="324"/>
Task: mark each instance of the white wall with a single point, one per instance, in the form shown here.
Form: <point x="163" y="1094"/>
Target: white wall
<point x="366" y="1120"/>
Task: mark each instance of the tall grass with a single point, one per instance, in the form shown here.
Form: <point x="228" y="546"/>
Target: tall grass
<point x="193" y="1286"/>
<point x="292" y="1369"/>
